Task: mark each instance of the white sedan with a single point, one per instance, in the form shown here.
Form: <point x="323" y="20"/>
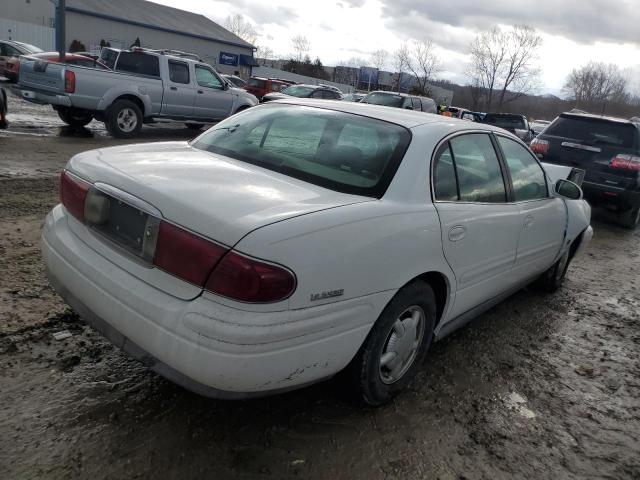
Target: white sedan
<point x="302" y="238"/>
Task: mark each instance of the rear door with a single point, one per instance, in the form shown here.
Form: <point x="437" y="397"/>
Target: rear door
<point x="480" y="227"/>
<point x="542" y="216"/>
<point x="212" y="100"/>
<point x="179" y="92"/>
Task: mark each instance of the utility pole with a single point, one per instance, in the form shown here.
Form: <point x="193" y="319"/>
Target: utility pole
<point x="60" y="28"/>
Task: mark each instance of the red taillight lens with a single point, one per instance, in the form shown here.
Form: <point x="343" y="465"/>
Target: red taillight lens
<point x="186" y="255"/>
<point x="69" y="81"/>
<point x="248" y="280"/>
<point x="626" y="162"/>
<point x="73" y="193"/>
<point x="539" y="147"/>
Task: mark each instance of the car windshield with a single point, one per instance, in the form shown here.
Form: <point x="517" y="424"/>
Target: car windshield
<point x="341" y="151"/>
<point x="298" y="91"/>
<point x="29" y="48"/>
<point x="505" y="121"/>
<point x="386" y="99"/>
<point x="593" y="131"/>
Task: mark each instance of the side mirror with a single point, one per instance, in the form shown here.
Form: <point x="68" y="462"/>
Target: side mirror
<point x="568" y="189"/>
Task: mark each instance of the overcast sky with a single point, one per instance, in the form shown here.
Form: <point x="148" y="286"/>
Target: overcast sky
<point x="574" y="31"/>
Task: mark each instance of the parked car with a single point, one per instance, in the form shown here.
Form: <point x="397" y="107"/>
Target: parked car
<point x="516" y="124"/>
<point x="260" y="86"/>
<point x="12" y="68"/>
<point x="354" y="97"/>
<point x="401" y="100"/>
<point x="10" y="49"/>
<point x="235" y="81"/>
<point x="304" y="237"/>
<point x="304" y="91"/>
<point x="144" y="85"/>
<point x="537" y="126"/>
<point x="608" y="149"/>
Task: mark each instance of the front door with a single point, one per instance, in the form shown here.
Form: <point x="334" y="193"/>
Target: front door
<point x="213" y="101"/>
<point x="542" y="216"/>
<point x="179" y="93"/>
<point x="480" y="228"/>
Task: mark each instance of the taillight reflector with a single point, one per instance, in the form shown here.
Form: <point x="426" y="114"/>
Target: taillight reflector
<point x="539" y="147"/>
<point x="248" y="280"/>
<point x="626" y="162"/>
<point x="185" y="254"/>
<point x="73" y="193"/>
<point x="69" y="81"/>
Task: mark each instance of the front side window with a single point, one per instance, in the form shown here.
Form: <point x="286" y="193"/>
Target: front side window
<point x="140" y="63"/>
<point x="340" y="151"/>
<point x="478" y="169"/>
<point x="178" y="72"/>
<point x="317" y="94"/>
<point x="206" y="78"/>
<point x="416" y="103"/>
<point x="527" y="176"/>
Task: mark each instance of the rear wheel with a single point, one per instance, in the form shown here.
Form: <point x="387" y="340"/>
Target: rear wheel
<point x="76" y="117"/>
<point x="396" y="346"/>
<point x="124" y="119"/>
<point x="630" y="218"/>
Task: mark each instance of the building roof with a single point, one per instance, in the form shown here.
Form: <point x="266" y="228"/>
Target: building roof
<point x="158" y="17"/>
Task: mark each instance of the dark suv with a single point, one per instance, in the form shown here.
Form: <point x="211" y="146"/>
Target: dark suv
<point x="608" y="149"/>
<point x="514" y="123"/>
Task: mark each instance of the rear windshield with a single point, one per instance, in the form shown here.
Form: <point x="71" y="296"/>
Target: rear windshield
<point x="139" y="63"/>
<point x="108" y="57"/>
<point x="593" y="131"/>
<point x="299" y="91"/>
<point x="340" y="151"/>
<point x="383" y="99"/>
<point x="254" y="82"/>
<point x="504" y="121"/>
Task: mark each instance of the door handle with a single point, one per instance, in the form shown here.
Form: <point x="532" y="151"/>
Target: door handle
<point x="173" y="88"/>
<point x="457" y="233"/>
<point x="528" y="221"/>
<point x="200" y="91"/>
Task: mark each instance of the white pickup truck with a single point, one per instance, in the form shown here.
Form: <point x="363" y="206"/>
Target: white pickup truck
<point x="142" y="86"/>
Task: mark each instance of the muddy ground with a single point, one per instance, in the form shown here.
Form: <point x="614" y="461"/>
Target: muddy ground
<point x="542" y="386"/>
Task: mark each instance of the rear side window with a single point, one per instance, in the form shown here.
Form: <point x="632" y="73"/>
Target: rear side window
<point x="444" y="177"/>
<point x="254" y="82"/>
<point x="478" y="169"/>
<point x="139" y="63"/>
<point x="593" y="131"/>
<point x="417" y="105"/>
<point x="178" y="72"/>
<point x="526" y="174"/>
<point x="340" y="151"/>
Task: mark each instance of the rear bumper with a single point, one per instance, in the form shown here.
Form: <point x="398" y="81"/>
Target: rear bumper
<point x="42" y="98"/>
<point x="206" y="347"/>
<point x="607" y="195"/>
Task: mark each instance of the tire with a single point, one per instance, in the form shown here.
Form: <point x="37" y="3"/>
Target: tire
<point x="630" y="218"/>
<point x="123" y="119"/>
<point x="194" y="126"/>
<point x="552" y="279"/>
<point x="76" y="117"/>
<point x="376" y="384"/>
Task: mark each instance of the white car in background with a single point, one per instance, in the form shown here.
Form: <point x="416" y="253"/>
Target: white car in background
<point x="304" y="237"/>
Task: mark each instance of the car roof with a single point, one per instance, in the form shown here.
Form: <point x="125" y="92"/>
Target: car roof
<point x="591" y="116"/>
<point x="399" y="116"/>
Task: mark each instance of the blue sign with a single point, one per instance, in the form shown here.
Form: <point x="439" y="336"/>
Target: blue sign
<point x="230" y="59"/>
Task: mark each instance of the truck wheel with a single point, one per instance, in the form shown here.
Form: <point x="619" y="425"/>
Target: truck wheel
<point x="396" y="345"/>
<point x="123" y="119"/>
<point x="76" y="117"/>
<point x="630" y="218"/>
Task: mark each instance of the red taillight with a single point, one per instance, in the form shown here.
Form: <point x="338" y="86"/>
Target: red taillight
<point x="69" y="81"/>
<point x="73" y="193"/>
<point x="186" y="255"/>
<point x="626" y="162"/>
<point x="248" y="280"/>
<point x="539" y="147"/>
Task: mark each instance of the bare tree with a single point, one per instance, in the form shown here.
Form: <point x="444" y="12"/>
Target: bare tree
<point x="264" y="53"/>
<point x="379" y="59"/>
<point x="597" y="84"/>
<point x="423" y="63"/>
<point x="400" y="57"/>
<point x="505" y="61"/>
<point x="244" y="29"/>
<point x="301" y="47"/>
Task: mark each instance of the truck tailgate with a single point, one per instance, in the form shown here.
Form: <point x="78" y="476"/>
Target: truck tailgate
<point x="42" y="75"/>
